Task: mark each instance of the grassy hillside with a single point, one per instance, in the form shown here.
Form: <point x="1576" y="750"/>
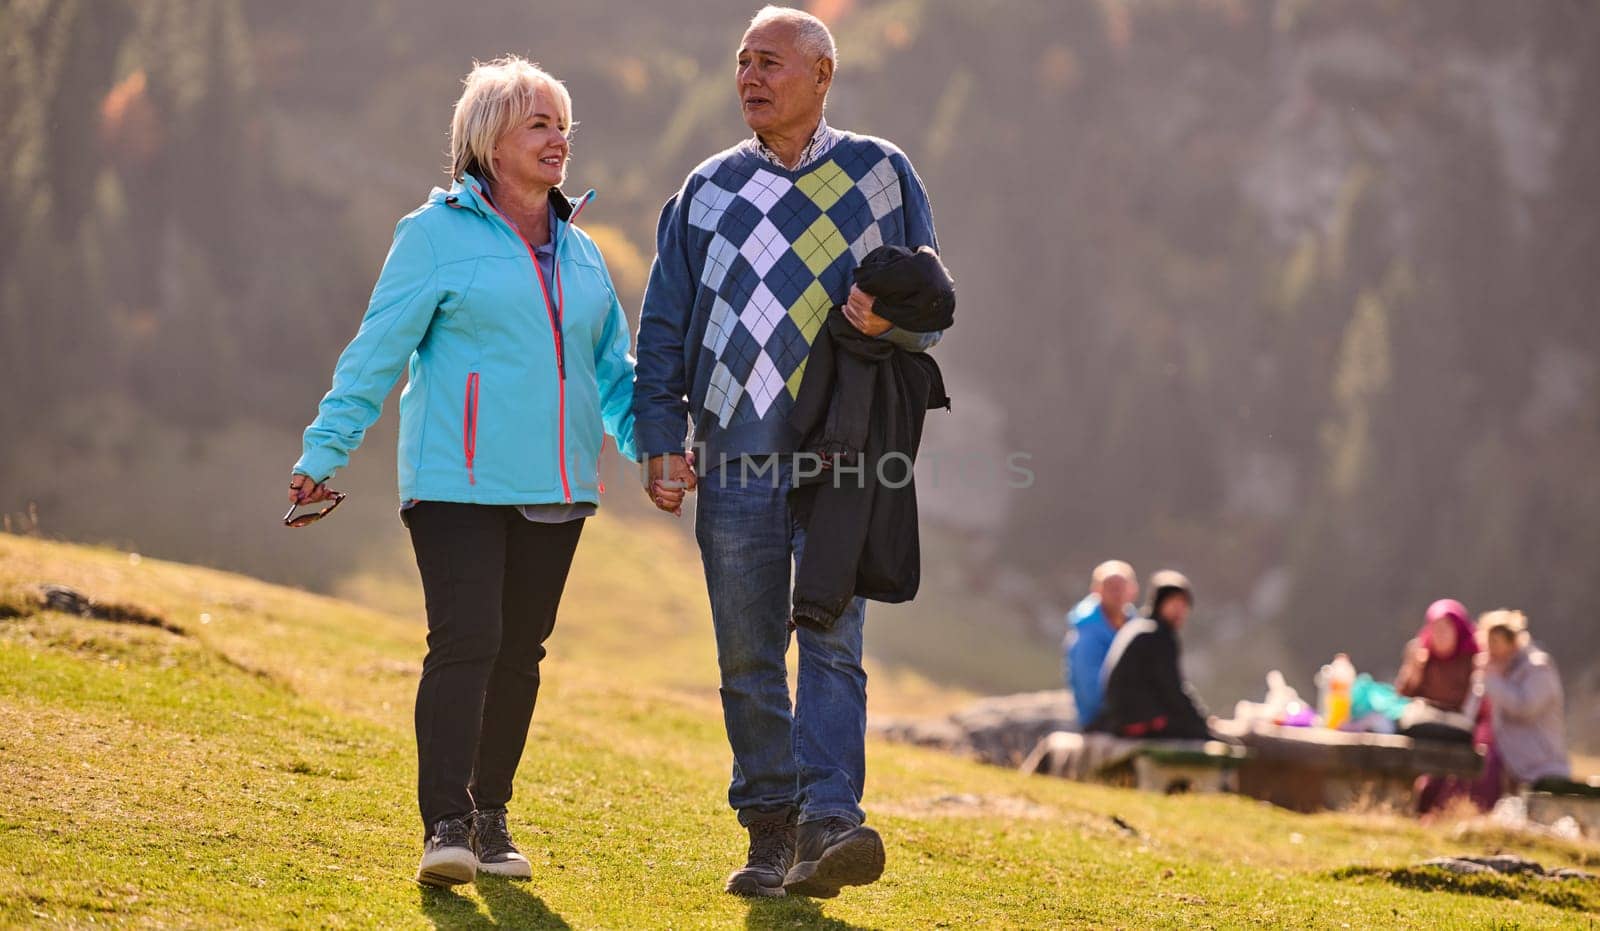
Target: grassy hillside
<point x="254" y="768"/>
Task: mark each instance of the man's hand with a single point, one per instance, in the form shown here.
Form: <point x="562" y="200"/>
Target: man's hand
<point x="858" y="310"/>
<point x="667" y="479"/>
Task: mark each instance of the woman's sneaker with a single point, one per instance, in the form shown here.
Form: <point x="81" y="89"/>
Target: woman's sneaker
<point x="491" y="841"/>
<point x="447" y="858"/>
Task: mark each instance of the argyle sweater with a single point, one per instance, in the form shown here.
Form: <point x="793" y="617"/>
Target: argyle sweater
<point x="750" y="257"/>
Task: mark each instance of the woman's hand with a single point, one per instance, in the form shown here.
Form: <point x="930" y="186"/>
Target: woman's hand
<point x="858" y="310"/>
<point x="302" y="490"/>
<point x="667" y="479"/>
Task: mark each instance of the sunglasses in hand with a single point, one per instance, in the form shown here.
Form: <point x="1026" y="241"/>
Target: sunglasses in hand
<point x="311" y="517"/>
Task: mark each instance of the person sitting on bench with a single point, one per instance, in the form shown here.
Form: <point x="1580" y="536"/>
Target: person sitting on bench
<point x="1145" y="694"/>
<point x="1525" y="702"/>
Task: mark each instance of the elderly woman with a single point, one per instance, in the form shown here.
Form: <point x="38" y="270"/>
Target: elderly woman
<point x="1525" y="702"/>
<point x="1440" y="661"/>
<point x="504" y="316"/>
<point x="1439" y="674"/>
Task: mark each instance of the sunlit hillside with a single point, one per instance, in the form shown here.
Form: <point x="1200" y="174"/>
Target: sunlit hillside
<point x="244" y="759"/>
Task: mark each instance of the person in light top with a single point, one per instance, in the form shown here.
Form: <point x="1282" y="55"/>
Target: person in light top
<point x="1523" y="690"/>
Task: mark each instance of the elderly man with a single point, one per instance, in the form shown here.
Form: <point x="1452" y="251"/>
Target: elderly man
<point x="752" y="253"/>
<point x="1091" y="626"/>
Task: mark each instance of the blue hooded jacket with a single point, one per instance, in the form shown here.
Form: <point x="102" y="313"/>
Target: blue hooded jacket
<point x="1089" y="636"/>
<point x="502" y="405"/>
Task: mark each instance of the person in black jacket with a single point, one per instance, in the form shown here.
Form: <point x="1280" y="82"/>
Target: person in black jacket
<point x="1145" y="695"/>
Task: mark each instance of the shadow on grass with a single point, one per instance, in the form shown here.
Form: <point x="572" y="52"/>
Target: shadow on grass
<point x="510" y="906"/>
<point x="792" y="912"/>
<point x="1572" y="894"/>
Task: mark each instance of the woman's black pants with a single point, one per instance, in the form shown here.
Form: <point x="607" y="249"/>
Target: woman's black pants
<point x="493" y="580"/>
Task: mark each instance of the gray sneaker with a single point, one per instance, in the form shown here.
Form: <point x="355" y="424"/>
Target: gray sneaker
<point x="447" y="858"/>
<point x="491" y="841"/>
<point x="834" y="853"/>
<point x="771" y="852"/>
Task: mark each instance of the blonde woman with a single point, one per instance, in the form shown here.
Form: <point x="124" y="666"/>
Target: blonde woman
<point x="505" y="316"/>
<point x="1526" y="709"/>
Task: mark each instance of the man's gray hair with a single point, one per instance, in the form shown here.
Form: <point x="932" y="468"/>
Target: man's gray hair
<point x="811" y="35"/>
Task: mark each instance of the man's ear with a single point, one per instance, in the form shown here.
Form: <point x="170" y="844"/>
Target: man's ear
<point x="824" y="72"/>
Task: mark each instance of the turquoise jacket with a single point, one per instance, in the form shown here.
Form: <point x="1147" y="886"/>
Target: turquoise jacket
<point x="502" y="405"/>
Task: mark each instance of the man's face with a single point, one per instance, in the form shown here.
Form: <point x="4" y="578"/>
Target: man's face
<point x="1175" y="611"/>
<point x="1114" y="593"/>
<point x="780" y="88"/>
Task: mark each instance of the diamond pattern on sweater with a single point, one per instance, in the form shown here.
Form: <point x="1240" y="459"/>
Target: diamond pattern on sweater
<point x="764" y="189"/>
<point x="707" y="205"/>
<point x="820" y="244"/>
<point x="719" y="259"/>
<point x="826" y="184"/>
<point x="764" y="383"/>
<point x="763" y="247"/>
<point x="719" y="327"/>
<point x="762" y="313"/>
<point x="810" y="310"/>
<point x="779" y="258"/>
<point x="722" y="394"/>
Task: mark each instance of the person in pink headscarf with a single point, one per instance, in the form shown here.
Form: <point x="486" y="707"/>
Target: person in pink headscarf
<point x="1439" y="662"/>
<point x="1439" y="668"/>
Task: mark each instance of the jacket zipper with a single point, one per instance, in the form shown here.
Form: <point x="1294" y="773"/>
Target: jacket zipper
<point x="553" y="310"/>
<point x="469" y="425"/>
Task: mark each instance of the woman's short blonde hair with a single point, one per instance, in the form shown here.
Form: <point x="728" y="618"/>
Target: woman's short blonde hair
<point x="498" y="95"/>
<point x="1512" y="624"/>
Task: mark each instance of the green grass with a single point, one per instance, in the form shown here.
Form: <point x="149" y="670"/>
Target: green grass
<point x="256" y="771"/>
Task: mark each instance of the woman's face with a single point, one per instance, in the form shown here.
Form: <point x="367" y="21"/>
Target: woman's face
<point x="1175" y="611"/>
<point x="1444" y="636"/>
<point x="1501" y="646"/>
<point x="534" y="153"/>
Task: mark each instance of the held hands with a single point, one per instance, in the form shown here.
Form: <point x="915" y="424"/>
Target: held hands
<point x="858" y="310"/>
<point x="667" y="479"/>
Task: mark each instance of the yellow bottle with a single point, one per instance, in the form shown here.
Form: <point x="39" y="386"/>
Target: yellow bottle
<point x="1338" y="679"/>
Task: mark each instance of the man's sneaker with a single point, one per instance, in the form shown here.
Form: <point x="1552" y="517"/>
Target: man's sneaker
<point x="834" y="853"/>
<point x="491" y="841"/>
<point x="447" y="858"/>
<point x="771" y="852"/>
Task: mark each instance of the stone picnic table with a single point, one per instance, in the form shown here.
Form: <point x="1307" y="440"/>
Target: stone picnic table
<point x="1316" y="769"/>
<point x="1300" y="768"/>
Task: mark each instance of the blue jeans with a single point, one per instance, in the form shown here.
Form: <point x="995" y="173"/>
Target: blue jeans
<point x="813" y="759"/>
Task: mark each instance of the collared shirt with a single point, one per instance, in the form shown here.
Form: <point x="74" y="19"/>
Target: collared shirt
<point x="821" y="141"/>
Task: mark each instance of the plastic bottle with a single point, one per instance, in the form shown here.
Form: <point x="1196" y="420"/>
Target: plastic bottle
<point x="1334" y="684"/>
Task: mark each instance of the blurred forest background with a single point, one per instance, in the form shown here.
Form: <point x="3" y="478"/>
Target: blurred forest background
<point x="1299" y="297"/>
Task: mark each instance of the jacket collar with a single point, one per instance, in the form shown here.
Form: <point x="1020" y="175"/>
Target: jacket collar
<point x="467" y="193"/>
